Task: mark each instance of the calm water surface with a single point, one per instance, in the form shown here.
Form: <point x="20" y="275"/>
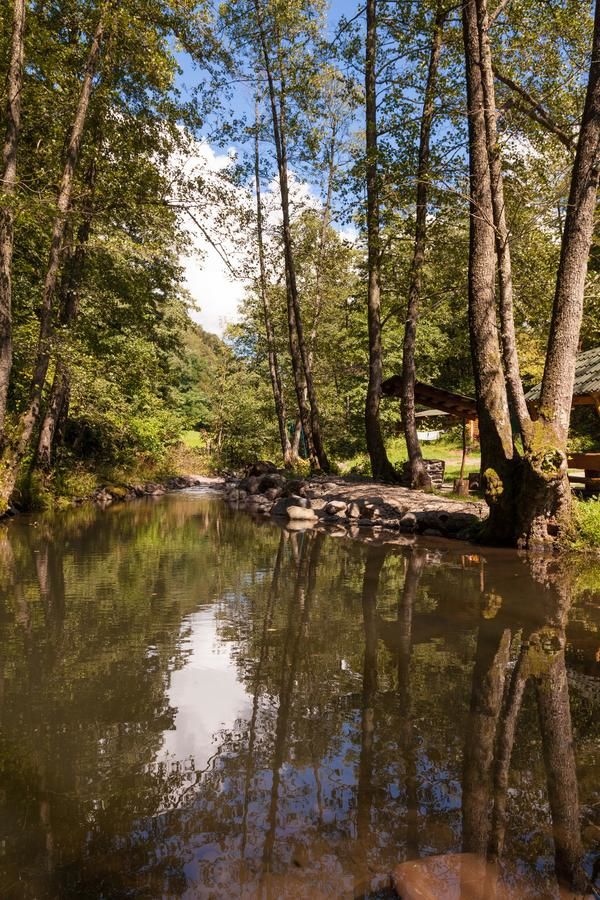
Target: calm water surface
<point x="194" y="705"/>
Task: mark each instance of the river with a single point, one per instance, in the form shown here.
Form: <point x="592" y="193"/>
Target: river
<point x="195" y="704"/>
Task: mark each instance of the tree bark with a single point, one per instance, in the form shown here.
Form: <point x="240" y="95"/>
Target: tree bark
<point x="419" y="477"/>
<point x="14" y="87"/>
<point x="545" y="510"/>
<point x="289" y="458"/>
<point x="298" y="350"/>
<point x="497" y="452"/>
<point x="13" y="456"/>
<point x="70" y="291"/>
<point x="505" y="282"/>
<point x="380" y="464"/>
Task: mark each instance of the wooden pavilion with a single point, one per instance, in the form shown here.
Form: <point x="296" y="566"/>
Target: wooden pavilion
<point x="441" y="402"/>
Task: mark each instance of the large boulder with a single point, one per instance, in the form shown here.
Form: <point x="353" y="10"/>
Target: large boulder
<point x="336" y="508"/>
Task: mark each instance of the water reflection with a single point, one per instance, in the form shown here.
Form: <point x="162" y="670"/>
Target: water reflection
<point x="192" y="705"/>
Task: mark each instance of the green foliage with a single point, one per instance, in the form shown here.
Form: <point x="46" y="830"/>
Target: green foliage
<point x="587" y="524"/>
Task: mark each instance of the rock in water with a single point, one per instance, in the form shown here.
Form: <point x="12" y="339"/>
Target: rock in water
<point x="299" y="513"/>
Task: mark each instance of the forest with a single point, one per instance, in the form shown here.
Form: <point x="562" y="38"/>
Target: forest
<point x="410" y="190"/>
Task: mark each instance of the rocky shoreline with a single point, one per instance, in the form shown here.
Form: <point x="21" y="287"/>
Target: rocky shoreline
<point x="355" y="506"/>
<point x="122" y="493"/>
<point x="108" y="494"/>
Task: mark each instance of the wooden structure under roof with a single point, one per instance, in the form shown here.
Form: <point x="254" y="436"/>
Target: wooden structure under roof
<point x="457" y="405"/>
<point x="462" y="408"/>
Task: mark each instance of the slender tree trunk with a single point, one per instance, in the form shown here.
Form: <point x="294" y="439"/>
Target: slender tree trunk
<point x="325" y="218"/>
<point x="546" y="497"/>
<point x="419" y="477"/>
<point x="70" y="291"/>
<point x="505" y="282"/>
<point x="497" y="451"/>
<point x="286" y="448"/>
<point x="380" y="464"/>
<point x="14" y="453"/>
<point x="298" y="349"/>
<point x="14" y="87"/>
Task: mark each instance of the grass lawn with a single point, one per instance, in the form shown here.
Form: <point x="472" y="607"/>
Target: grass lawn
<point x="446" y="448"/>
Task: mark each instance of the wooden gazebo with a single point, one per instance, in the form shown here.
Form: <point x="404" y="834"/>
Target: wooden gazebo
<point x="440" y="401"/>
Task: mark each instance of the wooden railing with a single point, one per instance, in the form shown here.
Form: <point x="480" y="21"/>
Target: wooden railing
<point x="590" y="463"/>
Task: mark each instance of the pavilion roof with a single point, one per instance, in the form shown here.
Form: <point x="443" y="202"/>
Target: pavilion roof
<point x="446" y="401"/>
<point x="587" y="378"/>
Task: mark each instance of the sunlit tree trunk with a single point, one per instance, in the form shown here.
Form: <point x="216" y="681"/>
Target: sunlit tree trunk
<point x="380" y="464"/>
<point x="289" y="458"/>
<point x="419" y="477"/>
<point x="497" y="450"/>
<point x="14" y="89"/>
<point x="16" y="449"/>
<point x="70" y="292"/>
<point x="545" y="509"/>
<point x="505" y="281"/>
<point x="298" y="349"/>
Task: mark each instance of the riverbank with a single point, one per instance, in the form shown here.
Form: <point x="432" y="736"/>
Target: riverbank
<point x="354" y="505"/>
<point x="123" y="492"/>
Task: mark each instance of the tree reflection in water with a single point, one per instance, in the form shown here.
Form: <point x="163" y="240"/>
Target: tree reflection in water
<point x="401" y="703"/>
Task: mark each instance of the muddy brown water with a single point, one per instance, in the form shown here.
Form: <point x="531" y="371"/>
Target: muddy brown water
<point x="196" y="705"/>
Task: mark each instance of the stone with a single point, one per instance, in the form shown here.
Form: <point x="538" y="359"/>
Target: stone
<point x="252" y="484"/>
<point x="317" y="503"/>
<point x="273" y="493"/>
<point x="295" y="487"/>
<point x="336" y="507"/>
<point x="354" y="510"/>
<point x="408" y="522"/>
<point x="151" y="488"/>
<point x="300" y="513"/>
<point x="365" y="523"/>
<point x="271" y="482"/>
<point x="432" y="532"/>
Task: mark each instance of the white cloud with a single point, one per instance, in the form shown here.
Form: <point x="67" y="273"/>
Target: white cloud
<point x="222" y="252"/>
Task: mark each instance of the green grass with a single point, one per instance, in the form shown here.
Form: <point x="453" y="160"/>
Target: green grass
<point x="446" y="448"/>
<point x="587" y="524"/>
<point x="193" y="440"/>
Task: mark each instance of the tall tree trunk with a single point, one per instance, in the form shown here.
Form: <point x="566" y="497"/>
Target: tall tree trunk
<point x="505" y="282"/>
<point x="298" y="349"/>
<point x="497" y="451"/>
<point x="15" y="451"/>
<point x="70" y="291"/>
<point x="380" y="464"/>
<point x="546" y="497"/>
<point x="419" y="477"/>
<point x="286" y="448"/>
<point x="14" y="88"/>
